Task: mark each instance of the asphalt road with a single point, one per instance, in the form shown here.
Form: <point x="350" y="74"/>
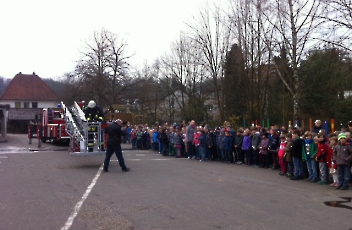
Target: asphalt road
<point x="49" y="189"/>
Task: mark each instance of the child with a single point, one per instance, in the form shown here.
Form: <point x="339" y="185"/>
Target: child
<point x="178" y="142"/>
<point x="311" y="151"/>
<point x="164" y="142"/>
<point x="171" y="134"/>
<point x="202" y="145"/>
<point x="228" y="147"/>
<point x="139" y="134"/>
<point x="209" y="137"/>
<point x="238" y="139"/>
<point x="184" y="142"/>
<point x="222" y="144"/>
<point x="255" y="145"/>
<point x="321" y="157"/>
<point x="246" y="147"/>
<point x="196" y="143"/>
<point x="155" y="140"/>
<point x="288" y="156"/>
<point x="263" y="150"/>
<point x="134" y="139"/>
<point x="342" y="157"/>
<point x="151" y="140"/>
<point x="281" y="154"/>
<point x="273" y="147"/>
<point x="333" y="167"/>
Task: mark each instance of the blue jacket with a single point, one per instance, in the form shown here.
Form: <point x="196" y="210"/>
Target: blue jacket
<point x="246" y="145"/>
<point x="228" y="145"/>
<point x="155" y="137"/>
<point x="202" y="140"/>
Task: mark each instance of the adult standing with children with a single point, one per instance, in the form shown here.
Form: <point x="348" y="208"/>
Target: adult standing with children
<point x="191" y="129"/>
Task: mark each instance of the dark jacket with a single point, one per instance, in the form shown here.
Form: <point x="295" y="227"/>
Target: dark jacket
<point x="316" y="129"/>
<point x="202" y="141"/>
<point x="343" y="154"/>
<point x="296" y="149"/>
<point x="228" y="145"/>
<point x="94" y="114"/>
<point x="274" y="143"/>
<point x="163" y="138"/>
<point x="115" y="134"/>
<point x="210" y="140"/>
<point x="238" y="140"/>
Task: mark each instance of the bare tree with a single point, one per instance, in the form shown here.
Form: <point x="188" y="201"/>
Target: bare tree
<point x="294" y="24"/>
<point x="213" y="36"/>
<point x="183" y="73"/>
<point x="247" y="18"/>
<point x="337" y="27"/>
<point x="102" y="72"/>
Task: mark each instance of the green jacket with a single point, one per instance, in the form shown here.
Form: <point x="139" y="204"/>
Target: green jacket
<point x="310" y="151"/>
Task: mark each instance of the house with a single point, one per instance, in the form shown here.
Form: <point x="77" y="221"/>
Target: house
<point x="27" y="95"/>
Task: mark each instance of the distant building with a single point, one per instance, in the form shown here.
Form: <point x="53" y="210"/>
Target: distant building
<point x="27" y="95"/>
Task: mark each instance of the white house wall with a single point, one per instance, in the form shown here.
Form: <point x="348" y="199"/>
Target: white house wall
<point x="41" y="104"/>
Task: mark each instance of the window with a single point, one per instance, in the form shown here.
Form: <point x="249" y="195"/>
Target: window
<point x="34" y="105"/>
<point x="17" y="104"/>
<point x="26" y="105"/>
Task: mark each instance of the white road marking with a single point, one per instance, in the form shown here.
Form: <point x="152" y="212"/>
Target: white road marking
<point x="145" y="160"/>
<point x="4" y="157"/>
<point x="78" y="206"/>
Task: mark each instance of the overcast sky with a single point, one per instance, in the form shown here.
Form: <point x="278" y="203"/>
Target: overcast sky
<point x="45" y="36"/>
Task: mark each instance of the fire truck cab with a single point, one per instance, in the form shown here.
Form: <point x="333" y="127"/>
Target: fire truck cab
<point x="50" y="125"/>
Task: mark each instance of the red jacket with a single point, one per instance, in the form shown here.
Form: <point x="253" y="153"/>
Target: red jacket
<point x="196" y="142"/>
<point x="323" y="153"/>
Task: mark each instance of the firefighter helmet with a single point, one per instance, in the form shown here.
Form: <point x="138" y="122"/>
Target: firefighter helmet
<point x="92" y="104"/>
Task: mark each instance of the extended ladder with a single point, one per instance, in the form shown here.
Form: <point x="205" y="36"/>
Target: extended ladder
<point x="80" y="132"/>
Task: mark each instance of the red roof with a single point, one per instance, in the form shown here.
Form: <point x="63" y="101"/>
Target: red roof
<point x="28" y="87"/>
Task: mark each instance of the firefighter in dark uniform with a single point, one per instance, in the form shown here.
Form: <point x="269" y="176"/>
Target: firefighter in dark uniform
<point x="114" y="145"/>
<point x="93" y="114"/>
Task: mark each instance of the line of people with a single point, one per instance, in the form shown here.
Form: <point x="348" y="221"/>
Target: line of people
<point x="312" y="156"/>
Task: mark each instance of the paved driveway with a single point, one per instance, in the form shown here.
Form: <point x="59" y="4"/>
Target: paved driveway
<point x="49" y="189"/>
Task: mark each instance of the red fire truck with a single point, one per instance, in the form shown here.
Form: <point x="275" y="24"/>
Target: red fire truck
<point x="65" y="124"/>
<point x="50" y="125"/>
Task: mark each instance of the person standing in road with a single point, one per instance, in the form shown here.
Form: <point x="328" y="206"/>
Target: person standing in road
<point x="115" y="134"/>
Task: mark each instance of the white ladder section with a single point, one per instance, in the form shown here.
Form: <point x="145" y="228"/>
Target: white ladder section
<point x="86" y="138"/>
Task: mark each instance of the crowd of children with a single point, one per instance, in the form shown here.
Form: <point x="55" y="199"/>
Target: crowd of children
<point x="312" y="156"/>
